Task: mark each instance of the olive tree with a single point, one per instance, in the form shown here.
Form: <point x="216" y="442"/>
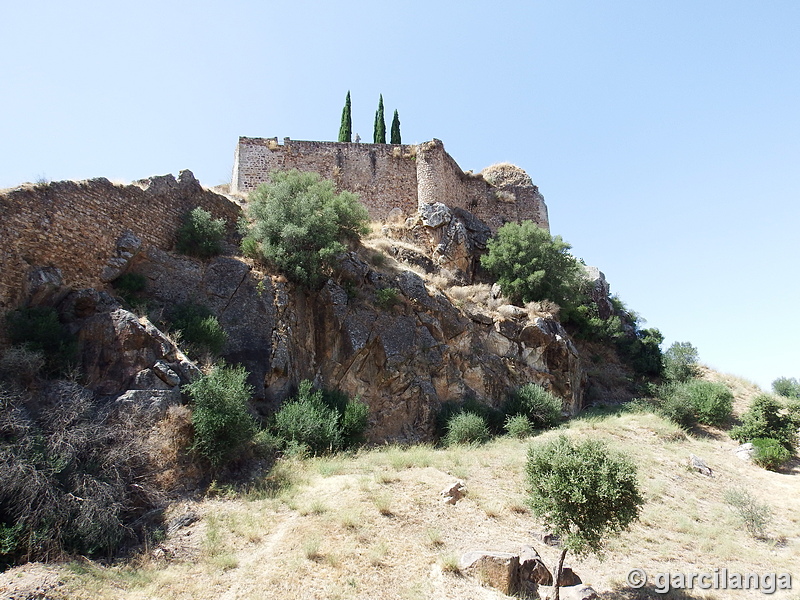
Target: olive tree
<point x="298" y="224"/>
<point x="583" y="492"/>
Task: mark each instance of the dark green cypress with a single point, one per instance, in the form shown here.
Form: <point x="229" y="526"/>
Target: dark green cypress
<point x="379" y="135"/>
<point x="346" y="128"/>
<point x="396" y="128"/>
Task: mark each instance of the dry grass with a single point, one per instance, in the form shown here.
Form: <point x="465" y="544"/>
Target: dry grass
<point x="372" y="525"/>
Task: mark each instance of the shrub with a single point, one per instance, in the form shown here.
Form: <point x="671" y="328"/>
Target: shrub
<point x="466" y="428"/>
<point x="787" y="387"/>
<point x="493" y="417"/>
<point x="129" y="286"/>
<point x="696" y="401"/>
<point x="200" y="329"/>
<point x="322" y="421"/>
<point x="541" y="407"/>
<point x="713" y="402"/>
<point x="680" y="362"/>
<point x="582" y="491"/>
<point x="386" y="298"/>
<point x="200" y="234"/>
<point x="21" y="365"/>
<point x="518" y="426"/>
<point x="73" y="475"/>
<point x="754" y="515"/>
<point x="38" y="329"/>
<point x="678" y="408"/>
<point x="220" y="416"/>
<point x="299" y="224"/>
<point x="531" y="265"/>
<point x="764" y="419"/>
<point x="769" y="453"/>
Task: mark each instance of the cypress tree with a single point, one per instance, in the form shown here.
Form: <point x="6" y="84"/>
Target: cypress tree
<point x="346" y="128"/>
<point x="379" y="135"/>
<point x="396" y="128"/>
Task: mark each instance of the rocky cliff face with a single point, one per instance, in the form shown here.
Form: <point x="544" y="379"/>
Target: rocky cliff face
<point x="384" y="335"/>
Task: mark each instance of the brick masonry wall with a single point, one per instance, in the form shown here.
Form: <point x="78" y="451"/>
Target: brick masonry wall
<point x="388" y="177"/>
<point x="75" y="225"/>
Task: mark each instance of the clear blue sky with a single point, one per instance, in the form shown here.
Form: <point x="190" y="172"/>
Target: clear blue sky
<point x="665" y="136"/>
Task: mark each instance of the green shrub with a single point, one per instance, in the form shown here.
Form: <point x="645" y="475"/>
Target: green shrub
<point x="300" y="224"/>
<point x="386" y="298"/>
<point x="680" y="362"/>
<point x="765" y="419"/>
<point x="787" y="387"/>
<point x="754" y="515"/>
<point x="38" y="329"/>
<point x="531" y="265"/>
<point x="200" y="234"/>
<point x="769" y="453"/>
<point x="129" y="286"/>
<point x="678" y="408"/>
<point x="540" y="406"/>
<point x="493" y="417"/>
<point x="200" y="329"/>
<point x="713" y="402"/>
<point x="466" y="428"/>
<point x="321" y="421"/>
<point x="220" y="417"/>
<point x="518" y="426"/>
<point x="696" y="401"/>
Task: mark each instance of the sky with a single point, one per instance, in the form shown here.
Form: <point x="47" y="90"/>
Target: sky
<point x="664" y="136"/>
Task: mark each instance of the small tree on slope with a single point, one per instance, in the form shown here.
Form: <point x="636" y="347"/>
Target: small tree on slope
<point x="583" y="492"/>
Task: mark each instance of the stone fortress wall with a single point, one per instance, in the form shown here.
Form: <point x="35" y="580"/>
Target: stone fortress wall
<point x="74" y="226"/>
<point x="392" y="179"/>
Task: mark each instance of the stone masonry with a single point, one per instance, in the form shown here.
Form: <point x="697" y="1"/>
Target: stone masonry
<point x="392" y="179"/>
<point x="74" y="226"/>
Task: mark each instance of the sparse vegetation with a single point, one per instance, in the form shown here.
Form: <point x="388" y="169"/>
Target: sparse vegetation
<point x="200" y="234"/>
<point x="200" y="330"/>
<point x="754" y="515"/>
<point x="39" y="330"/>
<point x="386" y="298"/>
<point x="298" y="224"/>
<point x="220" y="416"/>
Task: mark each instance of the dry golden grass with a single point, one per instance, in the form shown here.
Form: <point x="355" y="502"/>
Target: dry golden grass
<point x="372" y="525"/>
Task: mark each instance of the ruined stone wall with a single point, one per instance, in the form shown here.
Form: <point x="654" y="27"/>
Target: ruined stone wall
<point x="389" y="177"/>
<point x="74" y="225"/>
<point x="384" y="175"/>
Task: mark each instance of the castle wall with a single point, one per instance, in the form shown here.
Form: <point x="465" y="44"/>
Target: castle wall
<point x="389" y="177"/>
<point x="383" y="175"/>
<point x="75" y="225"/>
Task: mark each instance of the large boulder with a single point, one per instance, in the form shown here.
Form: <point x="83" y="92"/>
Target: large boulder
<point x="499" y="570"/>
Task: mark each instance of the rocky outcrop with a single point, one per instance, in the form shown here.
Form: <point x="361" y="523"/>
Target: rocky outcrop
<point x="403" y="360"/>
<point x="453" y="238"/>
